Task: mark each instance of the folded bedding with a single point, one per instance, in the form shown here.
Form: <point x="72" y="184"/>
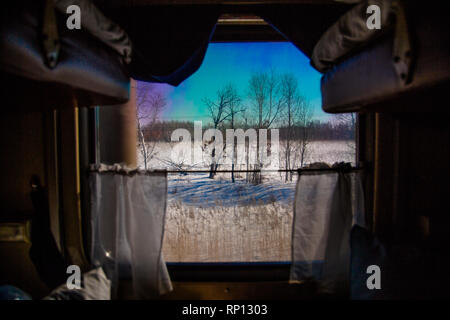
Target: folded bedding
<point x="364" y="67"/>
<point x="92" y="70"/>
<point x="350" y="33"/>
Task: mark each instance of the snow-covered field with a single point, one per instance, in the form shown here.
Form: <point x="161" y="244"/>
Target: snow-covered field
<point x="317" y="151"/>
<point x="215" y="220"/>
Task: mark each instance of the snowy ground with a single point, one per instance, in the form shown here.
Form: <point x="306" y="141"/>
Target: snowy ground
<point x="215" y="220"/>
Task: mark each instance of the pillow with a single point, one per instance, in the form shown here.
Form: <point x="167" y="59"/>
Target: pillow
<point x="8" y="292"/>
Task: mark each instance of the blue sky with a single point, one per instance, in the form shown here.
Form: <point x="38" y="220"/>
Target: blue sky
<point x="235" y="62"/>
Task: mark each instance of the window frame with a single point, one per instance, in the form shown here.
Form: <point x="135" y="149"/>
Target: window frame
<point x="219" y="271"/>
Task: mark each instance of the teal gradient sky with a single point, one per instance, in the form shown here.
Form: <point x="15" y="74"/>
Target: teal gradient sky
<point x="235" y="62"/>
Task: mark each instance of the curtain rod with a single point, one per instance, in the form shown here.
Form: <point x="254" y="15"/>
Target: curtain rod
<point x="338" y="169"/>
<point x="299" y="171"/>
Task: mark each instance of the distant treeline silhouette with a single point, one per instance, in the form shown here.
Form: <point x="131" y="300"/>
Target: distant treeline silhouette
<point x="317" y="130"/>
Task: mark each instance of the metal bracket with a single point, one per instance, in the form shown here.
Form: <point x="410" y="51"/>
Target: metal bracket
<point x="402" y="48"/>
<point x="50" y="36"/>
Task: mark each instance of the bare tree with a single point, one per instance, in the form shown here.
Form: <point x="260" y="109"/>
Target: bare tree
<point x="219" y="111"/>
<point x="346" y="121"/>
<point x="245" y="126"/>
<point x="296" y="118"/>
<point x="304" y="121"/>
<point x="234" y="108"/>
<point x="266" y="100"/>
<point x="150" y="103"/>
<point x="289" y="89"/>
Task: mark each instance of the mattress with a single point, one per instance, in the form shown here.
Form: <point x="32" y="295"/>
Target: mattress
<point x="369" y="77"/>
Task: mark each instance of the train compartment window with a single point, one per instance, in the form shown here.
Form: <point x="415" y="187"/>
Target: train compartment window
<point x="231" y="137"/>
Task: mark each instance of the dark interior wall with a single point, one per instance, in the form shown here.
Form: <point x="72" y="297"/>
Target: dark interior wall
<point x="425" y="172"/>
<point x="22" y="156"/>
<point x="22" y="149"/>
<point x="412" y="177"/>
<point x="411" y="202"/>
<point x="365" y="139"/>
<point x="118" y="132"/>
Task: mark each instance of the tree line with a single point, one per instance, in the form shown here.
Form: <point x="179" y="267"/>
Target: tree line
<point x="161" y="131"/>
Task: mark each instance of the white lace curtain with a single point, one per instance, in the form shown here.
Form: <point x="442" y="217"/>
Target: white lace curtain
<point x="128" y="216"/>
<point x="127" y="219"/>
<point x="327" y="204"/>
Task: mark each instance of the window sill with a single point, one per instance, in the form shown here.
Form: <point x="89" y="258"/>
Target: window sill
<point x="229" y="271"/>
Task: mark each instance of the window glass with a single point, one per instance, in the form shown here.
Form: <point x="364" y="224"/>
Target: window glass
<point x="250" y="107"/>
